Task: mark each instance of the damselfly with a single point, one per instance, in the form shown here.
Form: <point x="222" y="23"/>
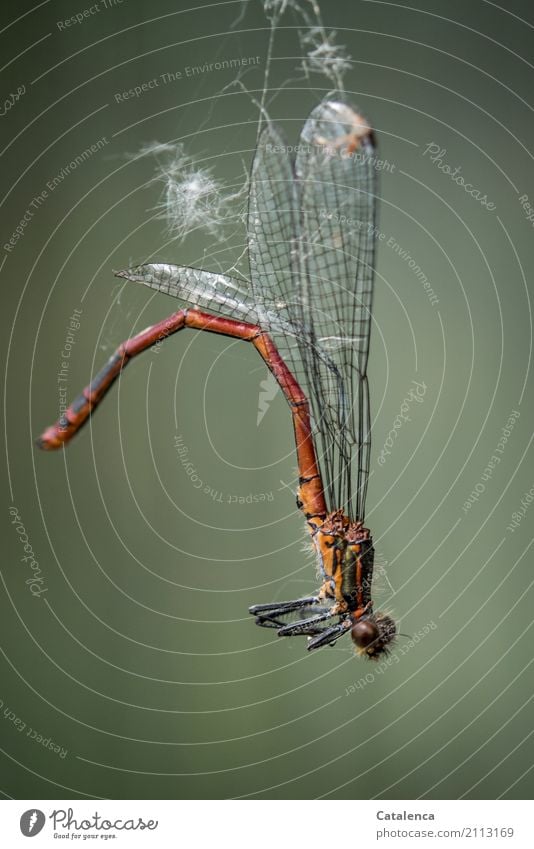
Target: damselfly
<point x="307" y="311"/>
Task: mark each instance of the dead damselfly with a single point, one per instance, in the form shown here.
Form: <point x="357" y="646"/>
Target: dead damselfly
<point x="307" y="311"/>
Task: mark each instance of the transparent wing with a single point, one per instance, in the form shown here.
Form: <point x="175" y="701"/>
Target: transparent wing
<point x="337" y="188"/>
<point x="272" y="227"/>
<point x="311" y="255"/>
<point x="219" y="293"/>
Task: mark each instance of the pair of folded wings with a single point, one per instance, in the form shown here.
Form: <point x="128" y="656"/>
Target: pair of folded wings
<point x="311" y="224"/>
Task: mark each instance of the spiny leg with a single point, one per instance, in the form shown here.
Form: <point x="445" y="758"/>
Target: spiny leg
<point x="305" y="626"/>
<point x="267" y="615"/>
<point x="328" y="636"/>
<point x="279" y="607"/>
<point x="313" y="628"/>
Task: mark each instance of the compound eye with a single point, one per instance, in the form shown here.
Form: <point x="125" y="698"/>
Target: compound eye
<point x="364" y="633"/>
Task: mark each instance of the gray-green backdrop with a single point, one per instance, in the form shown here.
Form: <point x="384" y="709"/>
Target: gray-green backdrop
<point x="130" y="666"/>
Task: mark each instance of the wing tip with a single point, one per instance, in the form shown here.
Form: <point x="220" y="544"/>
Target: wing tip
<point x="342" y="123"/>
<point x="333" y="121"/>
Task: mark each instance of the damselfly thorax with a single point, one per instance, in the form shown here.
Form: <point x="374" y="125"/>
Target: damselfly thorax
<point x="345" y="556"/>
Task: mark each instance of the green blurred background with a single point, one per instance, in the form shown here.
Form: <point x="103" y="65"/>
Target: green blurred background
<point x="140" y="661"/>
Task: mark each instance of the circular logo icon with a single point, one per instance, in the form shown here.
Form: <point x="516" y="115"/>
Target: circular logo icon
<point x="31" y="822"/>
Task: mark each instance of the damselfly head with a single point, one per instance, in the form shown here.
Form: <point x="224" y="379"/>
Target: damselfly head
<point x="372" y="635"/>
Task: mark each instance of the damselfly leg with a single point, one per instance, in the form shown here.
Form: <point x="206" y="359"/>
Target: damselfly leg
<point x="269" y="615"/>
